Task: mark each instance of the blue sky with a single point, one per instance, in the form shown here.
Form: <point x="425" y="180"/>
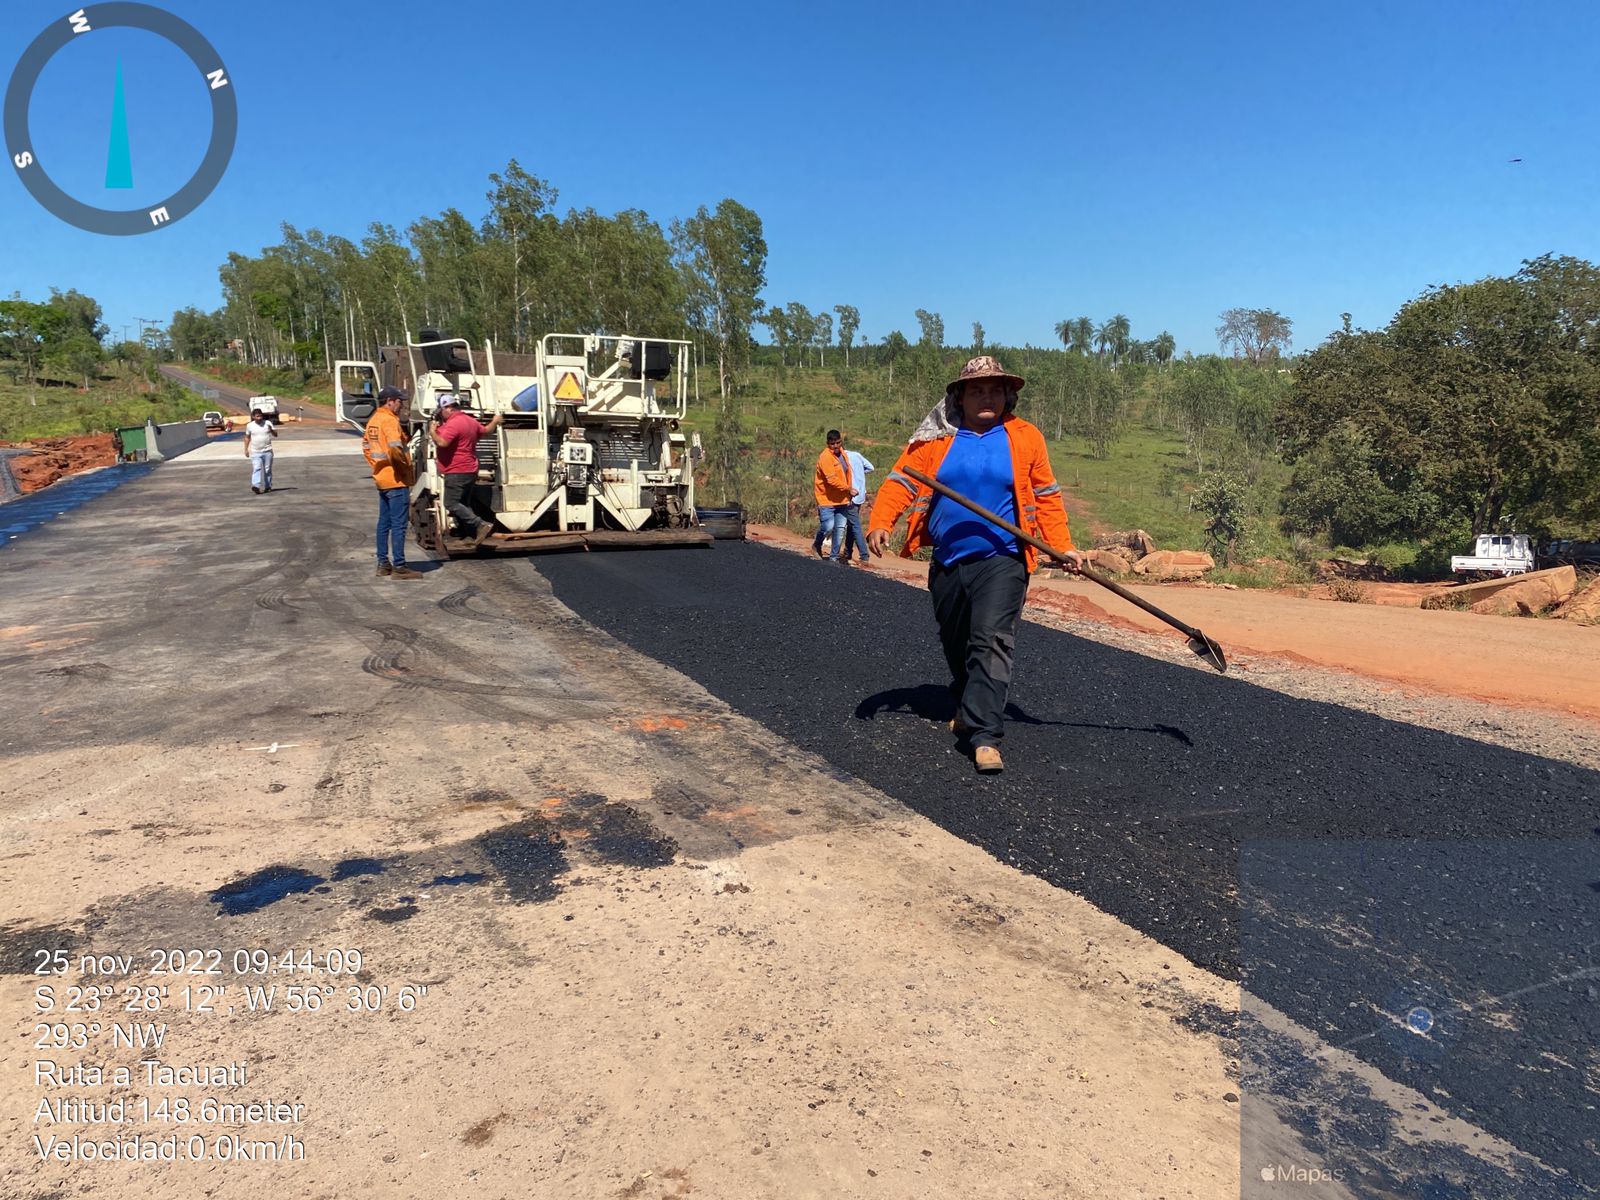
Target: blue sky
<point x="1011" y="163"/>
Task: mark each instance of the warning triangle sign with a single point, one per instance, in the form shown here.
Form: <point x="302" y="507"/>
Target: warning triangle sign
<point x="569" y="388"/>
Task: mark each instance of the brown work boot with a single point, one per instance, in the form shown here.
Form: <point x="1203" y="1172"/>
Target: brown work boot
<point x="385" y="569"/>
<point x="404" y="573"/>
<point x="959" y="727"/>
<point x="987" y="759"/>
<point x="485" y="529"/>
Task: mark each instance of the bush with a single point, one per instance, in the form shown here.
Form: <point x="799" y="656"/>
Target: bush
<point x="1349" y="591"/>
<point x="1449" y="601"/>
<point x="1393" y="557"/>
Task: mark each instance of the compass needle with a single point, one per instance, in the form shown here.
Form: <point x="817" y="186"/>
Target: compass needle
<point x="119" y="157"/>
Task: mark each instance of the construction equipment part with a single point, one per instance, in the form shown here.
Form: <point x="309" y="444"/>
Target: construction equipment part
<point x="589" y="451"/>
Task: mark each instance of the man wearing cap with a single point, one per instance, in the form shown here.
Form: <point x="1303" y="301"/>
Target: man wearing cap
<point x="975" y="444"/>
<point x="384" y="446"/>
<point x="832" y="490"/>
<point x="456" y="434"/>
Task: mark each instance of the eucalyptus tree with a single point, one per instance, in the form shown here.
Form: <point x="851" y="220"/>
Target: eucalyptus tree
<point x="849" y="322"/>
<point x="822" y="335"/>
<point x="894" y="347"/>
<point x="777" y="323"/>
<point x="724" y="258"/>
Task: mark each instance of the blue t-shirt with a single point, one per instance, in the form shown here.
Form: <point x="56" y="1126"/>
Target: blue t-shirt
<point x="979" y="467"/>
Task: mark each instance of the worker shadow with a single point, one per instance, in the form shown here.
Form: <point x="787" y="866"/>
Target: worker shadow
<point x="933" y="702"/>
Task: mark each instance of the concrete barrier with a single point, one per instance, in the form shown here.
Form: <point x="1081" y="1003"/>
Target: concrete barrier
<point x="152" y="442"/>
<point x="176" y="438"/>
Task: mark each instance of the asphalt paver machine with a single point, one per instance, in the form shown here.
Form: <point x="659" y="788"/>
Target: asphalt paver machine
<point x="588" y="453"/>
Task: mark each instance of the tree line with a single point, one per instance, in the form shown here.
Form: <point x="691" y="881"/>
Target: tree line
<point x="516" y="273"/>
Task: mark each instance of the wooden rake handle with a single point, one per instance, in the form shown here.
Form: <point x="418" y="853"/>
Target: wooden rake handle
<point x="1198" y="642"/>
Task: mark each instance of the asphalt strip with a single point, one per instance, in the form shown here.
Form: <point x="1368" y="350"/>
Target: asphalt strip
<point x="29" y="512"/>
<point x="1428" y="902"/>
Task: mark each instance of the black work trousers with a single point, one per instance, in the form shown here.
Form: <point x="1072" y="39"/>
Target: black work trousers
<point x="460" y="497"/>
<point x="978" y="604"/>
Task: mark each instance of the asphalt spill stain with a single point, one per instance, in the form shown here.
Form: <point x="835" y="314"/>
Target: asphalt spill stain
<point x="486" y="796"/>
<point x="623" y="836"/>
<point x="389" y="916"/>
<point x="266" y="886"/>
<point x="1206" y="1017"/>
<point x="349" y="868"/>
<point x="482" y="1133"/>
<point x="529" y="856"/>
<point x="20" y="946"/>
<point x="456" y="880"/>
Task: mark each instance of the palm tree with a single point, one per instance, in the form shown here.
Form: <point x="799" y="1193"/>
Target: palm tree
<point x="1104" y="338"/>
<point x="1064" y="332"/>
<point x="1120" y="330"/>
<point x="1164" y="348"/>
<point x="1083" y="335"/>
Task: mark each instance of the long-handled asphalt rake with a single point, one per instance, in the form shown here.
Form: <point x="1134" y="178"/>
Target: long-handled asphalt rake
<point x="1198" y="642"/>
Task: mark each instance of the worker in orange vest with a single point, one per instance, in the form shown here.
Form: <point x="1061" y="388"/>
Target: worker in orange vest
<point x="384" y="446"/>
<point x="974" y="443"/>
<point x="833" y="490"/>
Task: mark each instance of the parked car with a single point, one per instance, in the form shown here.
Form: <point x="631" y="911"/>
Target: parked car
<point x="214" y="420"/>
<point x="1504" y="554"/>
<point x="268" y="406"/>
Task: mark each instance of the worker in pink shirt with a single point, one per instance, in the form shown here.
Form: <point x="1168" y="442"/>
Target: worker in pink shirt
<point x="456" y="434"/>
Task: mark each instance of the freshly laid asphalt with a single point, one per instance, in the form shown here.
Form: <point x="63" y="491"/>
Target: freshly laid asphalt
<point x="1429" y="901"/>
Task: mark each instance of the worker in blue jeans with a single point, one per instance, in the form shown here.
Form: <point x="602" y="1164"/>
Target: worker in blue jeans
<point x="384" y="446"/>
<point x="850" y="513"/>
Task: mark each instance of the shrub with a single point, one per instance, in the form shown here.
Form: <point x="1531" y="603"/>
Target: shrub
<point x="1349" y="591"/>
<point x="1393" y="557"/>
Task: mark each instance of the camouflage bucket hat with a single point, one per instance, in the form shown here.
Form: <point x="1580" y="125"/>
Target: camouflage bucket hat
<point x="985" y="366"/>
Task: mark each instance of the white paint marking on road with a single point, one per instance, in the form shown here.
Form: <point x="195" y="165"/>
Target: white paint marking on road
<point x="276" y="746"/>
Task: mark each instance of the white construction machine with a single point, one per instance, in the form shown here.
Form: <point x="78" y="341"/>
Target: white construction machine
<point x="589" y="450"/>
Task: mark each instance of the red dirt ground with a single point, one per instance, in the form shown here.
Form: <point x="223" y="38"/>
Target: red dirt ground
<point x="53" y="458"/>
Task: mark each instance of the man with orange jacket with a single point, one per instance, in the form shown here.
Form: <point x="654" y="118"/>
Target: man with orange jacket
<point x="974" y="443"/>
<point x="833" y="490"/>
<point x="384" y="446"/>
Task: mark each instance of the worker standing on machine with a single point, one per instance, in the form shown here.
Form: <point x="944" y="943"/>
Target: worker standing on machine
<point x="456" y="435"/>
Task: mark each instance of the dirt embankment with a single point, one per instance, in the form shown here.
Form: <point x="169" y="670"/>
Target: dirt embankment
<point x="51" y="459"/>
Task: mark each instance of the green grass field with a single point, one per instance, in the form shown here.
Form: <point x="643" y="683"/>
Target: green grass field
<point x="117" y="400"/>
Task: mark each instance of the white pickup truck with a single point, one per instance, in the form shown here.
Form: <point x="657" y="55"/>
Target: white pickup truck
<point x="1496" y="554"/>
<point x="268" y="406"/>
